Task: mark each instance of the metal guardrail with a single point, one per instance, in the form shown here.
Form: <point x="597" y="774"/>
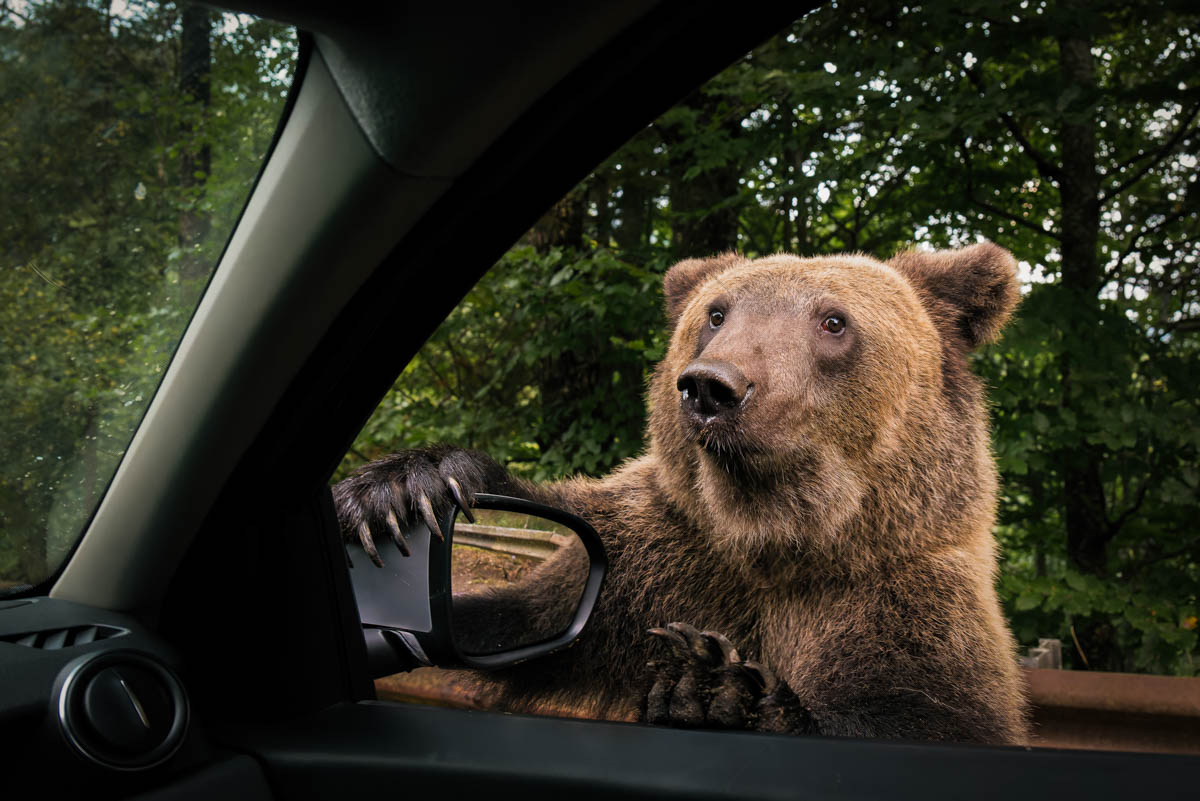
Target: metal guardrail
<point x="1047" y="654"/>
<point x="515" y="541"/>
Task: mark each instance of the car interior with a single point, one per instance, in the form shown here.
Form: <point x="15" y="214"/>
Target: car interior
<point x="213" y="570"/>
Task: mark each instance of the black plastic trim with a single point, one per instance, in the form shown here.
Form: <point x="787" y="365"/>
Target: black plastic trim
<point x="369" y="750"/>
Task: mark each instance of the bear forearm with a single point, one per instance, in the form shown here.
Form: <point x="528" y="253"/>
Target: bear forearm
<point x="915" y="715"/>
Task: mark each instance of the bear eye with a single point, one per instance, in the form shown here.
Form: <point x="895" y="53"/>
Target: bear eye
<point x="833" y="324"/>
<point x="716" y="318"/>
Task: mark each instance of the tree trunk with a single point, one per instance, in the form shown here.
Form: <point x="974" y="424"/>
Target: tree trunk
<point x="562" y="225"/>
<point x="633" y="210"/>
<point x="703" y="221"/>
<point x="600" y="193"/>
<point x="1080" y="190"/>
<point x="195" y="162"/>
<point x="702" y="225"/>
<point x="1086" y="520"/>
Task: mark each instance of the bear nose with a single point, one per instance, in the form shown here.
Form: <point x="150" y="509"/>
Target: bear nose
<point x="710" y="388"/>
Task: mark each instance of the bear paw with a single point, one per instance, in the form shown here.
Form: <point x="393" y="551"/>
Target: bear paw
<point x="705" y="683"/>
<point x="399" y="490"/>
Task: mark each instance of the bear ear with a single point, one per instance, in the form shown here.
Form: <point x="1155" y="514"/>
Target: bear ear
<point x="970" y="292"/>
<point x="682" y="279"/>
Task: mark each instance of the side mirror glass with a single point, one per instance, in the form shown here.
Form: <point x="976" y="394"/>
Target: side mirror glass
<point x="518" y="582"/>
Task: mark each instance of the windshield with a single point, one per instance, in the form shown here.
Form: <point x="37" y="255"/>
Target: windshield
<point x="130" y="135"/>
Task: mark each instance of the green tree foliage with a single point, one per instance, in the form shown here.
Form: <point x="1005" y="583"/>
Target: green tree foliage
<point x="536" y="367"/>
<point x="94" y="135"/>
<point x="1065" y="131"/>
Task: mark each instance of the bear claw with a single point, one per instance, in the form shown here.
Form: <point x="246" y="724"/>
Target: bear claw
<point x="368" y="544"/>
<point x="405" y="489"/>
<point x="707" y="647"/>
<point x="397" y="537"/>
<point x="425" y="506"/>
<point x="705" y="682"/>
<point x="459" y="497"/>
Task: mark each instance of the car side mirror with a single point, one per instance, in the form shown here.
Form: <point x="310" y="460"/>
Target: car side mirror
<point x="518" y="582"/>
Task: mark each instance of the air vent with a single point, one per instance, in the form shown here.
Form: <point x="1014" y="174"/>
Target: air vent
<point x="122" y="709"/>
<point x="55" y="639"/>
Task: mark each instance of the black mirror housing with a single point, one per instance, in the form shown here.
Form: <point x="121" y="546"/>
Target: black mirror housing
<point x="407" y="605"/>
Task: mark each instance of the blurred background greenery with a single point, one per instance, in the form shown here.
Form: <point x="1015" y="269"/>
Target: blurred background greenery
<point x="130" y="135"/>
<point x="1065" y="131"/>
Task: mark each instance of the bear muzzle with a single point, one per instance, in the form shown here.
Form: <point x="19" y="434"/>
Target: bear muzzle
<point x="711" y="390"/>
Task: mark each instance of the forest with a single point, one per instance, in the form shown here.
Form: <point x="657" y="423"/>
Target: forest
<point x="1065" y="131"/>
<point x="130" y="135"/>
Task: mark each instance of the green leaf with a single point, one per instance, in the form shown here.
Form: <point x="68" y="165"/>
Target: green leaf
<point x="1027" y="601"/>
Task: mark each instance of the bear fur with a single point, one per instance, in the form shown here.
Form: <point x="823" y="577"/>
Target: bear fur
<point x="818" y="494"/>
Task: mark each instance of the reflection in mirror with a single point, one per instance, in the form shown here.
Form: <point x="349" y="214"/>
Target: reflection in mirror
<point x="516" y="579"/>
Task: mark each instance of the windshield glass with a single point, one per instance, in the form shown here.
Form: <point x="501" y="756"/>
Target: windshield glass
<point x="130" y="135"/>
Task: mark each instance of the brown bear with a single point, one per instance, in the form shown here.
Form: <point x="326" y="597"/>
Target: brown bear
<point x="818" y="494"/>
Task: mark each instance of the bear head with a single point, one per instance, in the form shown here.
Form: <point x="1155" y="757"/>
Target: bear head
<point x="817" y="402"/>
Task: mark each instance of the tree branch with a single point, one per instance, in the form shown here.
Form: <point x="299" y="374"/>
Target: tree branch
<point x="889" y="186"/>
<point x="7" y="9"/>
<point x="463" y="372"/>
<point x="1114" y="272"/>
<point x="450" y="388"/>
<point x="1115" y="525"/>
<point x="999" y="212"/>
<point x="1156" y="157"/>
<point x="871" y="207"/>
<point x="1139" y="565"/>
<point x="1185" y="326"/>
<point x="1129" y="162"/>
<point x="1046" y="168"/>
